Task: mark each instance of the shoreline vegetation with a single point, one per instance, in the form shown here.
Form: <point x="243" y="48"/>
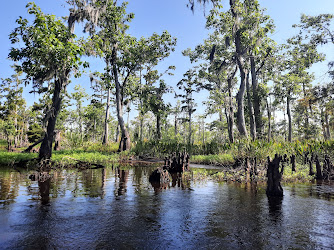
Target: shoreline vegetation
<point x="232" y="160"/>
<point x="245" y="76"/>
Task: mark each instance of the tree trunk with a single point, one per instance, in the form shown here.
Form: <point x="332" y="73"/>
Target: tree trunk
<point x="250" y="110"/>
<point x="240" y="101"/>
<point x="106" y="127"/>
<point x="141" y="126"/>
<point x="328" y="132"/>
<point x="289" y="117"/>
<point x="45" y="151"/>
<point x="269" y="120"/>
<point x="323" y="126"/>
<point x="175" y="125"/>
<point x="190" y="130"/>
<point x="239" y="54"/>
<point x="230" y="110"/>
<point x="125" y="143"/>
<point x="117" y="134"/>
<point x="158" y="127"/>
<point x="221" y="127"/>
<point x="256" y="99"/>
<point x="274" y="175"/>
<point x="307" y="123"/>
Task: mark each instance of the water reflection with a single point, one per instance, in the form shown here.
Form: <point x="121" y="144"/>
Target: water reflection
<point x="121" y="181"/>
<point x="193" y="212"/>
<point x="275" y="208"/>
<point x="44" y="191"/>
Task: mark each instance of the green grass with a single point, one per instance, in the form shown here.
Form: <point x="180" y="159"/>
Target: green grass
<point x="3" y="145"/>
<point x="220" y="159"/>
<point x="66" y="157"/>
<point x="91" y="153"/>
<point x="8" y="158"/>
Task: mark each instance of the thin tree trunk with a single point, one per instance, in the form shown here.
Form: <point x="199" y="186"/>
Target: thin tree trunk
<point x="175" y="124"/>
<point x="106" y="127"/>
<point x="230" y="110"/>
<point x="306" y="115"/>
<point x="190" y="129"/>
<point x="288" y="110"/>
<point x="240" y="102"/>
<point x="158" y="127"/>
<point x="323" y="126"/>
<point x="117" y="134"/>
<point x="250" y="110"/>
<point x="269" y="120"/>
<point x="125" y="143"/>
<point x="94" y="134"/>
<point x="256" y="99"/>
<point x="141" y="127"/>
<point x="328" y="132"/>
<point x="221" y="127"/>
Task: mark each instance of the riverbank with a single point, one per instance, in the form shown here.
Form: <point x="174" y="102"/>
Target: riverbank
<point x="233" y="159"/>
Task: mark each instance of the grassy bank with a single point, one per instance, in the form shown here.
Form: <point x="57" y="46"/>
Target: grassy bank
<point x="218" y="160"/>
<point x="91" y="153"/>
<point x="231" y="157"/>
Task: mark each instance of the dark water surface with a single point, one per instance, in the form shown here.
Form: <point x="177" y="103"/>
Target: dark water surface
<point x="117" y="208"/>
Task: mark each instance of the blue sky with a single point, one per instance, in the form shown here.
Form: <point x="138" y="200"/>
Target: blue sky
<point x="172" y="15"/>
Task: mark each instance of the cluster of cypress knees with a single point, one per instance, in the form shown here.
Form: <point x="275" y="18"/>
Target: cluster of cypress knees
<point x="175" y="163"/>
<point x="179" y="162"/>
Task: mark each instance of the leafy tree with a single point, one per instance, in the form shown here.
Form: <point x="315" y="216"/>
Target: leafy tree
<point x="35" y="132"/>
<point x="189" y="84"/>
<point x="78" y="96"/>
<point x="152" y="96"/>
<point x="298" y="57"/>
<point x="13" y="110"/>
<point x="217" y="73"/>
<point x="93" y="119"/>
<point x="176" y="111"/>
<point x="125" y="55"/>
<point x="102" y="83"/>
<point x="49" y="54"/>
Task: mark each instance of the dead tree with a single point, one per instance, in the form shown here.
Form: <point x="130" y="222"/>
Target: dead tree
<point x="274" y="175"/>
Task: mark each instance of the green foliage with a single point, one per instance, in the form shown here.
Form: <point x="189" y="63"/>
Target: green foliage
<point x="9" y="158"/>
<point x="49" y="48"/>
<point x="68" y="157"/>
<point x="218" y="159"/>
<point x="102" y="148"/>
<point x="35" y="132"/>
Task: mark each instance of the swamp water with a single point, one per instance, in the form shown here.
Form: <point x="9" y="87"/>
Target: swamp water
<point x="117" y="208"/>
